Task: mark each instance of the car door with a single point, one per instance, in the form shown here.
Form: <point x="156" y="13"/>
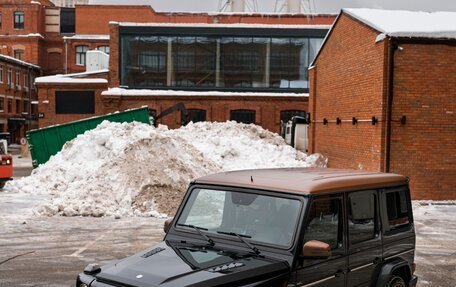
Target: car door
<point x="364" y="236"/>
<point x="324" y="223"/>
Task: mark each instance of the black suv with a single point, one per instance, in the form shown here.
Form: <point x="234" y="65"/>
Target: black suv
<point x="279" y="227"/>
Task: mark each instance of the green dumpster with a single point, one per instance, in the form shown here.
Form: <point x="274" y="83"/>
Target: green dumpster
<point x="46" y="142"/>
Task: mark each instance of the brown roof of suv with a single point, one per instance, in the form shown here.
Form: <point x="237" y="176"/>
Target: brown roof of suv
<point x="305" y="180"/>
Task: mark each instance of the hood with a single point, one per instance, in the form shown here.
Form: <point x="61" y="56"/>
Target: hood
<point x="169" y="264"/>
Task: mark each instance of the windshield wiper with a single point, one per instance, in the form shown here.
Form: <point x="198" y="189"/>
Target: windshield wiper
<point x="253" y="248"/>
<point x="198" y="229"/>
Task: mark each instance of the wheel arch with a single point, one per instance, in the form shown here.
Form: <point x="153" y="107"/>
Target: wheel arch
<point x="398" y="267"/>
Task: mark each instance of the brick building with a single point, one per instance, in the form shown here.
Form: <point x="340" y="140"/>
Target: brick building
<point x="383" y="97"/>
<point x="250" y="68"/>
<point x="18" y="98"/>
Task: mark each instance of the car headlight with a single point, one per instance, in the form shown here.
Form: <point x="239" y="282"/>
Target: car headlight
<point x="83" y="285"/>
<point x="8" y="161"/>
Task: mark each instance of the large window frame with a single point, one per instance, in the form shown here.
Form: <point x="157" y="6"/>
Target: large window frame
<point x="81" y="54"/>
<point x="182" y="65"/>
<point x="19" y="20"/>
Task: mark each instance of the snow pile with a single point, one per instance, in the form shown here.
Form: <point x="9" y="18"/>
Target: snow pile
<point x="136" y="169"/>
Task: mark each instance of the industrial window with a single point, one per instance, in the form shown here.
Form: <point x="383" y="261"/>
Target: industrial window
<point x="362" y="216"/>
<point x="214" y="61"/>
<point x="19" y="54"/>
<point x="324" y="223"/>
<point x="155" y="61"/>
<point x="397" y="210"/>
<point x="25" y="106"/>
<point x="243" y="116"/>
<point x="26" y="80"/>
<point x="9" y="77"/>
<point x="18" y="106"/>
<point x="286" y="116"/>
<point x="75" y="102"/>
<point x="19" y="20"/>
<point x="67" y="20"/>
<point x="193" y="115"/>
<point x="104" y="49"/>
<point x="18" y="79"/>
<point x="81" y="55"/>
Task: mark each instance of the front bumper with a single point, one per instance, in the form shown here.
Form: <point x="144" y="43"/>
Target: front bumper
<point x="413" y="281"/>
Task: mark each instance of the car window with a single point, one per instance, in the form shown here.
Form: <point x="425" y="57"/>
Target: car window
<point x="397" y="209"/>
<point x="259" y="218"/>
<point x="362" y="214"/>
<point x="324" y="222"/>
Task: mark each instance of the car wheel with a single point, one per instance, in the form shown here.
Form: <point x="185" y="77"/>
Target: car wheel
<point x="2" y="184"/>
<point x="395" y="281"/>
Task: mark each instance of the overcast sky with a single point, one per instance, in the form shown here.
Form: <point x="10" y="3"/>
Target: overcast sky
<point x="320" y="6"/>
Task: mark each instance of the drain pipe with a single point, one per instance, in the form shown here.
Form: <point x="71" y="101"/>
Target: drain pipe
<point x="392" y="46"/>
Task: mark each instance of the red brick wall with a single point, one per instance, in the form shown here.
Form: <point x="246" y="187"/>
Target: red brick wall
<point x="94" y="19"/>
<point x="217" y="108"/>
<point x="347" y="82"/>
<point x="425" y="92"/>
<point x="350" y="79"/>
<point x="267" y="109"/>
<point x="48" y="109"/>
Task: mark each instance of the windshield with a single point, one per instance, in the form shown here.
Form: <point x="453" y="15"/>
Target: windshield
<point x="258" y="218"/>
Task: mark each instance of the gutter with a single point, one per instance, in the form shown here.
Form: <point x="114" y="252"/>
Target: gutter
<point x="392" y="46"/>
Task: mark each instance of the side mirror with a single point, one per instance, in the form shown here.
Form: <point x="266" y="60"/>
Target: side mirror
<point x="316" y="249"/>
<point x="167" y="224"/>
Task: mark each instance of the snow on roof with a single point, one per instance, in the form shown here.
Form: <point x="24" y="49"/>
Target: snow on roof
<point x="77" y="78"/>
<point x="121" y="2"/>
<point x="399" y="23"/>
<point x="145" y="92"/>
<point x="86" y="37"/>
<point x="23" y="35"/>
<point x="20" y="62"/>
<point x="223" y="25"/>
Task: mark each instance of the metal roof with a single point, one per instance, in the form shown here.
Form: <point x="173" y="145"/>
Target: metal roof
<point x="305" y="180"/>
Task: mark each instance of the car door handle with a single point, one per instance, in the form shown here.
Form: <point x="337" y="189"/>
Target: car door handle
<point x="339" y="273"/>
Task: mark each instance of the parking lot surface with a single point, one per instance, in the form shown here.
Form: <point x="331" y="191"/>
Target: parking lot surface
<point x="51" y="251"/>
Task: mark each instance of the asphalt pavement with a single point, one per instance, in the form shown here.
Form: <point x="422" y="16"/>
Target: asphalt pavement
<point x="51" y="251"/>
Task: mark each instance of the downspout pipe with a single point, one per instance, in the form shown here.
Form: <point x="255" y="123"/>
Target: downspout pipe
<point x="392" y="47"/>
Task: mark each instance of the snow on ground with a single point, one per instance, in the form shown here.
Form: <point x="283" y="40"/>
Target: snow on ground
<point x="135" y="169"/>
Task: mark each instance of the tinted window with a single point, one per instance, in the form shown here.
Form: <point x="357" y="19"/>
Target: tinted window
<point x="397" y="209"/>
<point x="75" y="102"/>
<point x="67" y="20"/>
<point x="260" y="218"/>
<point x="361" y="216"/>
<point x="243" y="116"/>
<point x="324" y="222"/>
<point x="193" y="115"/>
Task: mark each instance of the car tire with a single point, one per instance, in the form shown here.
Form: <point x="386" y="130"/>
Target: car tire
<point x="2" y="184"/>
<point x="395" y="281"/>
